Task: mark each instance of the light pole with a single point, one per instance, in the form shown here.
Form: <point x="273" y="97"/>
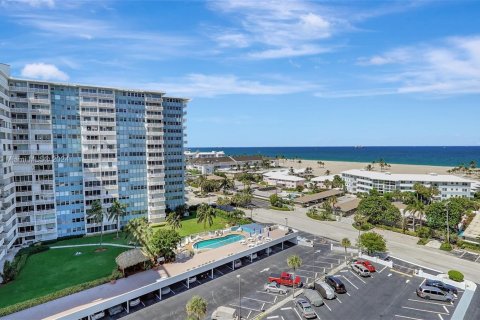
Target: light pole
<point x="239" y="297"/>
<point x="448" y="228"/>
<point x="314" y="273"/>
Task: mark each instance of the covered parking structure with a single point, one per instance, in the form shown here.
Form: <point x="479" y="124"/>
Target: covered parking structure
<point x="316" y="198"/>
<point x="348" y="207"/>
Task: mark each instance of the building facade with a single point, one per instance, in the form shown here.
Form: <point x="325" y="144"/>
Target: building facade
<point x="65" y="146"/>
<point x="357" y="181"/>
<point x="203" y="154"/>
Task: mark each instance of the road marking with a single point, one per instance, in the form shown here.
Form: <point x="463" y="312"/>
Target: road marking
<point x="185" y="285"/>
<point x="440" y="316"/>
<point x="389" y="275"/>
<point x="339" y="300"/>
<point x="444" y="307"/>
<point x="348" y="294"/>
<point x="263" y="306"/>
<point x="318" y="317"/>
<point x="421" y="284"/>
<point x="408" y="280"/>
<point x="229" y="267"/>
<point x="243" y="307"/>
<point x="423" y="301"/>
<point x="402" y="273"/>
<point x="172" y="291"/>
<point x="249" y="313"/>
<point x="298" y="314"/>
<point x="275" y="300"/>
<point x="303" y="270"/>
<point x="265" y="270"/>
<point x="399" y="316"/>
<point x="425" y="310"/>
<point x="273" y="317"/>
<point x="382" y="269"/>
<point x="414" y="264"/>
<point x="357" y="276"/>
<point x="263" y="301"/>
<point x="326" y="305"/>
<point x="287" y="308"/>
<point x="270" y="293"/>
<point x="351" y="283"/>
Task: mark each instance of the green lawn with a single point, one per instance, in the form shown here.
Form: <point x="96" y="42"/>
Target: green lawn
<point x="107" y="238"/>
<point x="190" y="225"/>
<point x="57" y="269"/>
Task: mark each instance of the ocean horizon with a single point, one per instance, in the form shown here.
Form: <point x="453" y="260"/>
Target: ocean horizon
<point x="415" y="155"/>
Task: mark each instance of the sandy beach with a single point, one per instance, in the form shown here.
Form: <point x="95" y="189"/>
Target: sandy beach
<point x="336" y="167"/>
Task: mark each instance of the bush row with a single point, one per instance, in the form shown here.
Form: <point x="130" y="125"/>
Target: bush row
<point x="280" y="208"/>
<point x="56" y="295"/>
<point x="395" y="229"/>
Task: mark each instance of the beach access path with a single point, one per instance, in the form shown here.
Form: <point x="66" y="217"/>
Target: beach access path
<point x="399" y="245"/>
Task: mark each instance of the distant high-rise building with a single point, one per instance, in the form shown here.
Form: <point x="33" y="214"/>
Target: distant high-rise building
<point x="64" y="146"/>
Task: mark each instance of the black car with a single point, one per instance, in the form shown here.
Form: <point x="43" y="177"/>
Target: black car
<point x="336" y="284"/>
<point x="381" y="255"/>
<point x="442" y="286"/>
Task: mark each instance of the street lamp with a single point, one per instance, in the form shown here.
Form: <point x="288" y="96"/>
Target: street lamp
<point x="286" y="223"/>
<point x="448" y="227"/>
<point x="239" y="297"/>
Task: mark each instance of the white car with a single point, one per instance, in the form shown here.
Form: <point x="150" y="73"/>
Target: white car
<point x="275" y="288"/>
<point x="192" y="279"/>
<point x="98" y="315"/>
<point x="134" y="302"/>
<point x="166" y="290"/>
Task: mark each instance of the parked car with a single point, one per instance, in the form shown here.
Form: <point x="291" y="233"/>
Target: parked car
<point x="134" y="302"/>
<point x="381" y="255"/>
<point x="275" y="288"/>
<point x="192" y="279"/>
<point x="237" y="263"/>
<point x="442" y="286"/>
<point x="360" y="270"/>
<point x="325" y="290"/>
<point x="115" y="310"/>
<point x="285" y="279"/>
<point x="336" y="284"/>
<point x="305" y="309"/>
<point x="313" y="297"/>
<point x="254" y="256"/>
<point x="165" y="290"/>
<point x="367" y="264"/>
<point x="225" y="313"/>
<point x="98" y="315"/>
<point x="433" y="293"/>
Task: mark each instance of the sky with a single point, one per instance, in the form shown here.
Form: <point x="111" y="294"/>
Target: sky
<point x="269" y="73"/>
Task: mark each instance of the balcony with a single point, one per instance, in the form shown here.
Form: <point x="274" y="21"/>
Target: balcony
<point x="39" y="100"/>
<point x="88" y="103"/>
<point x="19" y="120"/>
<point x="37" y="90"/>
<point x="41" y="121"/>
<point x="18" y="89"/>
<point x="17" y="99"/>
<point x="150" y="99"/>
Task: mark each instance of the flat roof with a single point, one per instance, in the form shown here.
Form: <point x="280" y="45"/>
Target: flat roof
<point x="225" y="159"/>
<point x="318" y="196"/>
<point x="282" y="176"/>
<point x="323" y="178"/>
<point x="473" y="229"/>
<point x="406" y="177"/>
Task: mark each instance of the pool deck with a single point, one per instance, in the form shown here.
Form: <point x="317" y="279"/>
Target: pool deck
<point x="65" y="308"/>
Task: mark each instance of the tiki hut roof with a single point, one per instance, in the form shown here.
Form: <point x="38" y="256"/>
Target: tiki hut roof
<point x="130" y="258"/>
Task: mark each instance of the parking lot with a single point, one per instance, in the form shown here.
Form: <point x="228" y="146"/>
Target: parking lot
<point x="388" y="294"/>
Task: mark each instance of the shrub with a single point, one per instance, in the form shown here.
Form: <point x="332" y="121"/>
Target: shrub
<point x="422" y="241"/>
<point x="424" y="232"/>
<point x="116" y="274"/>
<point x="455" y="275"/>
<point x="446" y="246"/>
<point x="280" y="208"/>
<point x="363" y="227"/>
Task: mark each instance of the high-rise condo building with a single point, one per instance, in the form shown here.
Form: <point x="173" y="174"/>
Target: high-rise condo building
<point x="64" y="146"/>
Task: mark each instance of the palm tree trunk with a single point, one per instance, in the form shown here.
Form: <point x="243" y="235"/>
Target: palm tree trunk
<point x="118" y="224"/>
<point x="101" y="233"/>
<point x="293" y="286"/>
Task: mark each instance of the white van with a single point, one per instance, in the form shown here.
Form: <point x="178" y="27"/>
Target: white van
<point x="225" y="313"/>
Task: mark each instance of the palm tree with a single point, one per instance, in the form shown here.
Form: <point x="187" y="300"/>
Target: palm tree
<point x="196" y="308"/>
<point x="201" y="182"/>
<point x="174" y="220"/>
<point x="369" y="167"/>
<point x="226" y="184"/>
<point x="116" y="212"/>
<point x="416" y="207"/>
<point x="473" y="164"/>
<point x="205" y="214"/>
<point x="96" y="214"/>
<point x="346" y="243"/>
<point x="327" y="172"/>
<point x="294" y="262"/>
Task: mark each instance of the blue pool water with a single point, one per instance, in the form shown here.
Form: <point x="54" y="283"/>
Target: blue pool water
<point x="251" y="228"/>
<point x="218" y="242"/>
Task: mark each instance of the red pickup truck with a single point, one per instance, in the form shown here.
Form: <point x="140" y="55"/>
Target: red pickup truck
<point x="285" y="279"/>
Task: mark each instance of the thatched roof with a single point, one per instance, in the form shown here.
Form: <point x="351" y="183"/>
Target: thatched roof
<point x="130" y="258"/>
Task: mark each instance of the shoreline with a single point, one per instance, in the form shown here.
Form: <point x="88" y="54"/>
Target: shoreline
<point x="336" y="167"/>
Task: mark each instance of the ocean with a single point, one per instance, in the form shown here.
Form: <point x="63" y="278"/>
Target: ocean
<point x="435" y="156"/>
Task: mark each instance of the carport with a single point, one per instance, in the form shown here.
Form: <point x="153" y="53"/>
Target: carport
<point x="316" y="198"/>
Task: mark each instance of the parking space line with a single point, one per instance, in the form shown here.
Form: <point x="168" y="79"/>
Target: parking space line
<point x="339" y="300"/>
<point x="357" y="276"/>
<point x="440" y="316"/>
<point x="425" y="310"/>
<point x="249" y="313"/>
<point x="348" y="294"/>
<point x="298" y="314"/>
<point x="272" y="294"/>
<point x="172" y="291"/>
<point x="273" y="317"/>
<point x="257" y="300"/>
<point x="286" y="308"/>
<point x="350" y="282"/>
<point x="326" y="305"/>
<point x="399" y="316"/>
<point x="244" y="307"/>
<point x="185" y="285"/>
<point x="437" y="303"/>
<point x="445" y="307"/>
<point x="402" y="273"/>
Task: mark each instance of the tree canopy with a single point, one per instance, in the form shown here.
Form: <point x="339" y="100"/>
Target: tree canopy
<point x="372" y="242"/>
<point x="379" y="210"/>
<point x="163" y="242"/>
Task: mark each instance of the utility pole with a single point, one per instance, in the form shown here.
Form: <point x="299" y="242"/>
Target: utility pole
<point x="448" y="227"/>
<point x="239" y="297"/>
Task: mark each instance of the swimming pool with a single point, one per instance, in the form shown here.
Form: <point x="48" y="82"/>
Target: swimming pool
<point x="251" y="228"/>
<point x="218" y="242"/>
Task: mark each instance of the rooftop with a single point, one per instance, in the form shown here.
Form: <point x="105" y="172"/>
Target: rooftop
<point x="278" y="175"/>
<point x="432" y="177"/>
<point x="318" y="196"/>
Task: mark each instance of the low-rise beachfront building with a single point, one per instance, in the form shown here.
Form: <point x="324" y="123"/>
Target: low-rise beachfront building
<point x="210" y="165"/>
<point x="189" y="155"/>
<point x="283" y="179"/>
<point x="357" y="181"/>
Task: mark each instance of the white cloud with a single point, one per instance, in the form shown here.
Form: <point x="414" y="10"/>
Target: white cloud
<point x="32" y="3"/>
<point x="43" y="71"/>
<point x="451" y="66"/>
<point x="202" y="85"/>
<point x="280" y="28"/>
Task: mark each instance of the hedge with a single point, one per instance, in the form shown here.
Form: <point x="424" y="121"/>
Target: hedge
<point x="280" y="208"/>
<point x="56" y="295"/>
<point x="364" y="227"/>
<point x="446" y="246"/>
<point x="422" y="241"/>
<point x="455" y="275"/>
<point x="316" y="216"/>
<point x="395" y="229"/>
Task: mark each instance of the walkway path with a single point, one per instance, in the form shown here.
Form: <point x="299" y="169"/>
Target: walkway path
<point x="399" y="245"/>
<point x="93" y="244"/>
